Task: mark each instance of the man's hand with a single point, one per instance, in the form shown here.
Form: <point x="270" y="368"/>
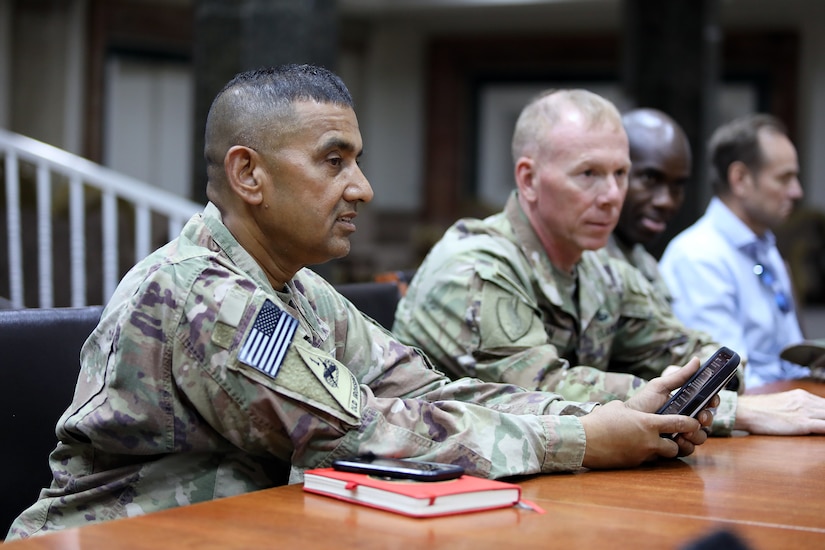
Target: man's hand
<point x="657" y="391"/>
<point x="794" y="412"/>
<point x="627" y="434"/>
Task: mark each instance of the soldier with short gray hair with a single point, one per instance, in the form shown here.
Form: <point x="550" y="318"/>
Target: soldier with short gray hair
<point x="529" y="296"/>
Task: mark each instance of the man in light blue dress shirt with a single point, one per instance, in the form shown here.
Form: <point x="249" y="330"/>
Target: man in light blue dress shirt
<point x="724" y="272"/>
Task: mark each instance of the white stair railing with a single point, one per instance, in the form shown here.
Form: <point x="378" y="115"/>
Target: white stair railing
<point x="54" y="169"/>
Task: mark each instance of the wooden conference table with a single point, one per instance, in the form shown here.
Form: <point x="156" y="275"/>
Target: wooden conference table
<point x="768" y="491"/>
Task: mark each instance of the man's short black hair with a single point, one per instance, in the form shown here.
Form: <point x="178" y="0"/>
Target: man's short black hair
<point x="293" y="82"/>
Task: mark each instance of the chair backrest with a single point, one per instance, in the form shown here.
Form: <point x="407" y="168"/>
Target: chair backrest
<point x="41" y="361"/>
<point x="378" y="300"/>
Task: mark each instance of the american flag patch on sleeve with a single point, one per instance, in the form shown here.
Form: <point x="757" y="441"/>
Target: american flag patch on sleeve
<point x="268" y="341"/>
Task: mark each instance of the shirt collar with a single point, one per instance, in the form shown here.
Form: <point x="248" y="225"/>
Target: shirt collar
<point x="734" y="229"/>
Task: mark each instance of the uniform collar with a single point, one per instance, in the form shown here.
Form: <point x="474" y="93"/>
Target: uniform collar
<point x="527" y="239"/>
<point x="236" y="253"/>
<point x="734" y="230"/>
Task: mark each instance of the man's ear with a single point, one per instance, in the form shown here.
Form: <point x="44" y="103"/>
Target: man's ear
<point x="740" y="178"/>
<point x="526" y="178"/>
<point x="243" y="171"/>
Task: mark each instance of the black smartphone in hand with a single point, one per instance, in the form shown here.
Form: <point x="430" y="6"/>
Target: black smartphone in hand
<point x="398" y="468"/>
<point x="709" y="380"/>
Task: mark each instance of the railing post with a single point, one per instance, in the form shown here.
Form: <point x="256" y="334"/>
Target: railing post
<point x="44" y="236"/>
<point x="13" y="222"/>
<point x="143" y="231"/>
<point x="175" y="226"/>
<point x="77" y="240"/>
<point x="110" y="255"/>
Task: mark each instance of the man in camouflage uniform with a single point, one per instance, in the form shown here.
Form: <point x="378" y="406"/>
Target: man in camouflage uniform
<point x="528" y="296"/>
<point x="661" y="167"/>
<point x="221" y="365"/>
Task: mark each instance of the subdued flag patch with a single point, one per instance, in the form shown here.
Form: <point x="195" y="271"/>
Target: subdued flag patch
<point x="268" y="341"/>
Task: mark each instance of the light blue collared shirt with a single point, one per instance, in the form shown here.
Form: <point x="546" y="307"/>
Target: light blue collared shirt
<point x="709" y="268"/>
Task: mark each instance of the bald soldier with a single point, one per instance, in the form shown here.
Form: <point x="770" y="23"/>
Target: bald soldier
<point x="661" y="168"/>
<point x="222" y="365"/>
<point x="526" y="296"/>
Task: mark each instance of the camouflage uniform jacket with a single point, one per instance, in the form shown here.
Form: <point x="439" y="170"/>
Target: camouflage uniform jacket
<point x="642" y="260"/>
<point x="487" y="302"/>
<point x="166" y="414"/>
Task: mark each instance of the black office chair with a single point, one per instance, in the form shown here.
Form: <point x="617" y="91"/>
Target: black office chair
<point x="377" y="300"/>
<point x="41" y="361"/>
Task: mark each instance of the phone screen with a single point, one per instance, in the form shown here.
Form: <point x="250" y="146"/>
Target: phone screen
<point x="711" y="378"/>
<point x="704" y="384"/>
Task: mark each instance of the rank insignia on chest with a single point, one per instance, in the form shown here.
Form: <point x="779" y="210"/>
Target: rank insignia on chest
<point x="268" y="341"/>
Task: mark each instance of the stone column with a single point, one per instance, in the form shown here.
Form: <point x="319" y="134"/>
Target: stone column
<point x="671" y="62"/>
<point x="237" y="35"/>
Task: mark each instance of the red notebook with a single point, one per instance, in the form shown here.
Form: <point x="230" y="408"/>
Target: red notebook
<point x="413" y="498"/>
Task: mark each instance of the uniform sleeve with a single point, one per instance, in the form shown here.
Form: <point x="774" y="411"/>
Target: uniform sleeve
<point x="695" y="342"/>
<point x="486" y="325"/>
<point x="651" y="338"/>
<point x="724" y="417"/>
<point x="361" y="391"/>
<point x="648" y="336"/>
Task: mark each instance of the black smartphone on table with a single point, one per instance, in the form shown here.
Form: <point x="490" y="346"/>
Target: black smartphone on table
<point x="398" y="468"/>
<point x="709" y="380"/>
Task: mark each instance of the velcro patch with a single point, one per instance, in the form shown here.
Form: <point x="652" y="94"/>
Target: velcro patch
<point x="230" y="314"/>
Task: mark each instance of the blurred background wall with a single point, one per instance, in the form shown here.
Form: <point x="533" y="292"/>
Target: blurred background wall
<point x="437" y="84"/>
